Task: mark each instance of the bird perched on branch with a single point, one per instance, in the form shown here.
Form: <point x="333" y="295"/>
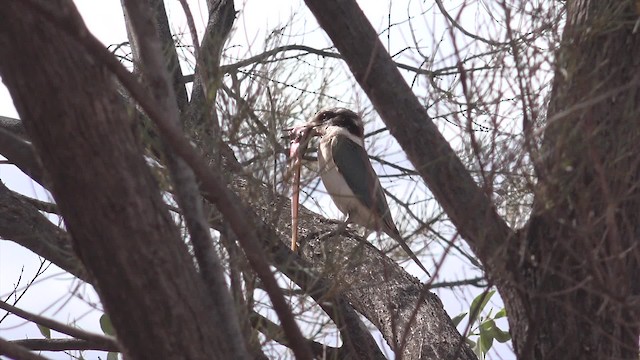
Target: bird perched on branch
<point x="348" y="176"/>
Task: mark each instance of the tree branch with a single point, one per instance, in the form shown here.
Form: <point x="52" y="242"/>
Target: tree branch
<point x="45" y="206"/>
<point x="21" y="153"/>
<point x="274" y="332"/>
<point x="100" y="340"/>
<point x="23" y="224"/>
<point x="213" y="185"/>
<point x="63" y="345"/>
<point x="17" y="352"/>
<point x="14" y="126"/>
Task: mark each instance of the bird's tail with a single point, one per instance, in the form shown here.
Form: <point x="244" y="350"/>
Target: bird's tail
<point x="395" y="235"/>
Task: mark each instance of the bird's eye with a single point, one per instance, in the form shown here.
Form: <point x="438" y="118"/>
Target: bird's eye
<point x="327" y="115"/>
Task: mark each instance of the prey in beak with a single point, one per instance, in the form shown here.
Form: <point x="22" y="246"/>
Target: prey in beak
<point x="299" y="138"/>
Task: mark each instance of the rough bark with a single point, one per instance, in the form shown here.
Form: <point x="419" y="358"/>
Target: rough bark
<point x="580" y="279"/>
<point x="120" y="227"/>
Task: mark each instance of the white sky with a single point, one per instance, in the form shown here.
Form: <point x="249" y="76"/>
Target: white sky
<point x="62" y="299"/>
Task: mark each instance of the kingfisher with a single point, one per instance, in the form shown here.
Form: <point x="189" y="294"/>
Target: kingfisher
<point x="348" y="175"/>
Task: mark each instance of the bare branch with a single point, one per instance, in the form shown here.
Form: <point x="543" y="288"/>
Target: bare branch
<point x="213" y="185"/>
<point x="458" y="26"/>
<point x="14" y="126"/>
<point x="17" y="352"/>
<point x="20" y="152"/>
<point x="100" y="340"/>
<point x="63" y="345"/>
<point x="23" y="224"/>
<point x="45" y="206"/>
<point x="274" y="332"/>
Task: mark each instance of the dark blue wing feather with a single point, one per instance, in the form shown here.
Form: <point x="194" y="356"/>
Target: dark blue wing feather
<point x="353" y="163"/>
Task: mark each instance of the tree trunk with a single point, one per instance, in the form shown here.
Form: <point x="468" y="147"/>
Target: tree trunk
<point x="581" y="277"/>
<point x="121" y="228"/>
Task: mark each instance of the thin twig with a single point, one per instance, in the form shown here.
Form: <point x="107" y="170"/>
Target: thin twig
<point x="479" y="281"/>
<point x="450" y="70"/>
<point x="192" y="28"/>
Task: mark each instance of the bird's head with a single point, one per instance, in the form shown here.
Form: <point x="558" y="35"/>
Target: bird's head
<point x="338" y="117"/>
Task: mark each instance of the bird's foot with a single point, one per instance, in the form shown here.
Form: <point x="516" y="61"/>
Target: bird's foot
<point x="341" y="229"/>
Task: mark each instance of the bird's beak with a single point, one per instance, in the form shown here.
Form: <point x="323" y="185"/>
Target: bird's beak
<point x="300" y="137"/>
<point x="316" y="127"/>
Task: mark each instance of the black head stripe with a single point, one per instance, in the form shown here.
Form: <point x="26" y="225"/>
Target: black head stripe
<point x="350" y="122"/>
<point x="341" y="117"/>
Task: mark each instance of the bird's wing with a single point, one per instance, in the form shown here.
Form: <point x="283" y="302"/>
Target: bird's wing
<point x="353" y="163"/>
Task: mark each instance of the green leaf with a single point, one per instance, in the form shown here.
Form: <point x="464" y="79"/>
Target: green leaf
<point x="486" y="341"/>
<point x="112" y="356"/>
<point x="456" y="320"/>
<point x="487" y="325"/>
<point x="45" y="331"/>
<point x="500" y="314"/>
<point x="500" y="335"/>
<point x="489" y="328"/>
<point x="478" y="304"/>
<point x="489" y="313"/>
<point x="472" y="344"/>
<point x="478" y="349"/>
<point x="106" y="326"/>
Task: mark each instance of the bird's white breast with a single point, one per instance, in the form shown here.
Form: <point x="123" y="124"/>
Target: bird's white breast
<point x="334" y="182"/>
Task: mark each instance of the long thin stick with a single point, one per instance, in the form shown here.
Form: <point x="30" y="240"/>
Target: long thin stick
<point x="300" y="136"/>
<point x="296" y="164"/>
<point x="295" y="201"/>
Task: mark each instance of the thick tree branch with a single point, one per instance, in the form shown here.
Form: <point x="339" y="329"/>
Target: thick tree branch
<point x="14" y="126"/>
<point x="20" y="152"/>
<point x="213" y="185"/>
<point x="23" y="224"/>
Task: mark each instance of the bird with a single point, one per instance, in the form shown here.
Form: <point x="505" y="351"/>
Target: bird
<point x="348" y="175"/>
